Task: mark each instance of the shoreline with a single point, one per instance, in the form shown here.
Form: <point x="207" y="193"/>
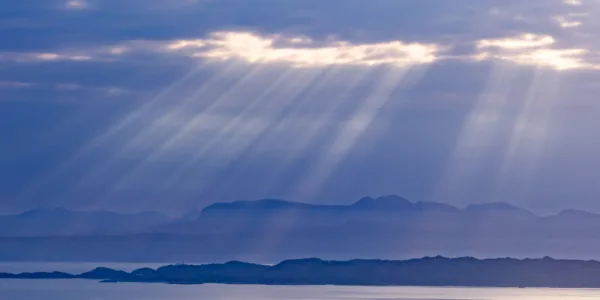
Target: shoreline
<point x="306" y="285"/>
<point x="425" y="272"/>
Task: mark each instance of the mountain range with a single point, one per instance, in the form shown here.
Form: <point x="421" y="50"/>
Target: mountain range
<point x="268" y="230"/>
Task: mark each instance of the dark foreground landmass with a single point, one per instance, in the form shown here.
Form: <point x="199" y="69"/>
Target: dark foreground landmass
<point x="429" y="271"/>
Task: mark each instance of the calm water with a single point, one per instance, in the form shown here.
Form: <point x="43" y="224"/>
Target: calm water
<point x="90" y="290"/>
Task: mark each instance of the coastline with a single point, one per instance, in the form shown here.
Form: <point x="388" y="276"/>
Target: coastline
<point x="424" y="272"/>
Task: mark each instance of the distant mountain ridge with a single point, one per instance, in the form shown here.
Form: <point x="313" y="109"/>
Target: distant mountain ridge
<point x="367" y="203"/>
<point x="275" y="214"/>
<point x="392" y="202"/>
<point x="230" y="215"/>
<point x="268" y="230"/>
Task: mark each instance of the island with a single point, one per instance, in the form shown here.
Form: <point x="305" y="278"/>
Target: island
<point x="428" y="271"/>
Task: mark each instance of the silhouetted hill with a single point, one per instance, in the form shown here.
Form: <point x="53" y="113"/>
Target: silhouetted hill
<point x="37" y="275"/>
<point x="428" y="271"/>
<point x="105" y="273"/>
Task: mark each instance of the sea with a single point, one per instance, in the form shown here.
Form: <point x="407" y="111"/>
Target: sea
<point x="15" y="289"/>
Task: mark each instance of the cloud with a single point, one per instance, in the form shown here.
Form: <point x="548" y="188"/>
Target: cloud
<point x="58" y="57"/>
<point x="534" y="50"/>
<point x="44" y="57"/>
<point x="76" y="4"/>
<point x="527" y="49"/>
<point x="119" y="40"/>
<point x="565" y="22"/>
<point x="63" y="88"/>
<point x="106" y="53"/>
<point x="453" y="23"/>
<point x="108" y="90"/>
<point x="525" y="41"/>
<point x="5" y="84"/>
<point x="304" y="52"/>
<point x="296" y="51"/>
<point x="572" y="2"/>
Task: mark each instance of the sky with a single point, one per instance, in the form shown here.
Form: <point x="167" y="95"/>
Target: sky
<point x="134" y="105"/>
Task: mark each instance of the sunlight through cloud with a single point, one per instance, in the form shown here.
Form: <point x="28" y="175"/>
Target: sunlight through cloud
<point x="572" y="2"/>
<point x="44" y="57"/>
<point x="534" y="50"/>
<point x="304" y="52"/>
<point x="76" y="4"/>
<point x="564" y="22"/>
<point x="524" y="41"/>
<point x="56" y="56"/>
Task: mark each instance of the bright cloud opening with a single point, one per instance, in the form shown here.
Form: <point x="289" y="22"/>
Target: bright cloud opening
<point x="572" y="2"/>
<point x="524" y="41"/>
<point x="57" y="56"/>
<point x="304" y="52"/>
<point x="532" y="49"/>
<point x="33" y="57"/>
<point x="15" y="84"/>
<point x="118" y="50"/>
<point x="564" y="22"/>
<point x="76" y="4"/>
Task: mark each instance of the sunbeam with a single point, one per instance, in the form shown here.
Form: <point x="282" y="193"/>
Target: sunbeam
<point x="94" y="143"/>
<point x="322" y="123"/>
<point x="478" y="132"/>
<point x="134" y="143"/>
<point x="188" y="104"/>
<point x="232" y="137"/>
<point x="352" y="131"/>
<point x="178" y="127"/>
<point x="529" y="133"/>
